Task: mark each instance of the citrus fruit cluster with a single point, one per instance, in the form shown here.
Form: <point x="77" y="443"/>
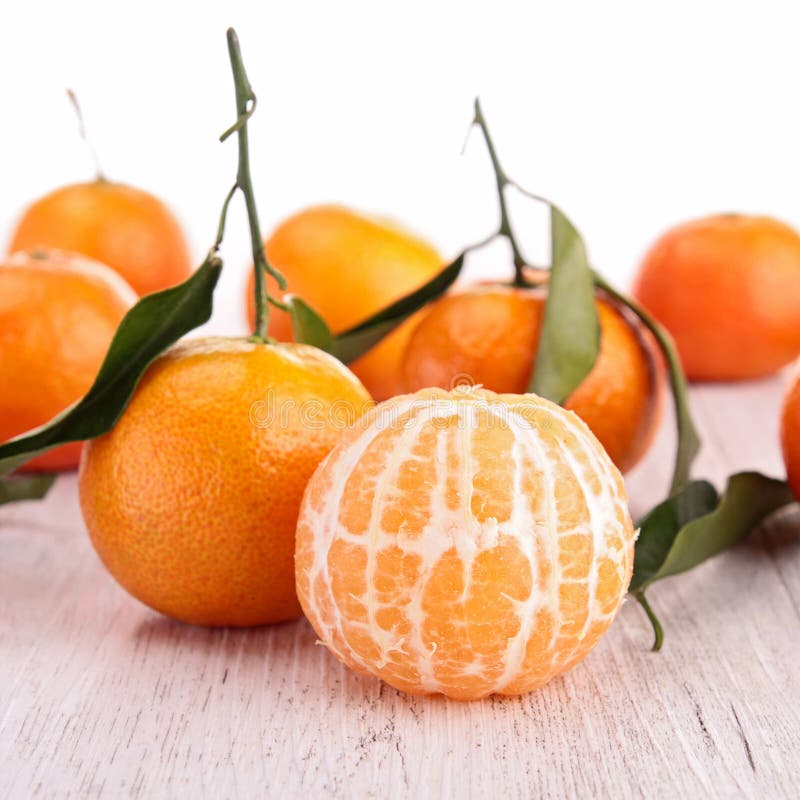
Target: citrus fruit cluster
<point x="465" y="536"/>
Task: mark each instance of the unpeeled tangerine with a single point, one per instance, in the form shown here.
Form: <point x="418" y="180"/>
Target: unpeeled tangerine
<point x="464" y="543"/>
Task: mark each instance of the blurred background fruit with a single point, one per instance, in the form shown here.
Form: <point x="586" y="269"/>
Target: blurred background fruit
<point x="191" y="500"/>
<point x="128" y="229"/>
<point x="727" y="288"/>
<point x="58" y="314"/>
<point x="455" y="551"/>
<point x="348" y="266"/>
<point x="488" y="335"/>
<point x="790" y="433"/>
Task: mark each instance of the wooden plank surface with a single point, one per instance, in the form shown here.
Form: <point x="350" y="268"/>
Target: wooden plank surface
<point x="100" y="697"/>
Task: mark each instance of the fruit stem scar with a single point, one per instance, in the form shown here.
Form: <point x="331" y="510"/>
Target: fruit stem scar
<point x="503" y="181"/>
<point x="245" y="106"/>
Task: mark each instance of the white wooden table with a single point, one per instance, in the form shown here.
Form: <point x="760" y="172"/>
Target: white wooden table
<point x="100" y="697"/>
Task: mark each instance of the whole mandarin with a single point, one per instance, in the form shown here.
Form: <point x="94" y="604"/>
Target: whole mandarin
<point x="191" y="500"/>
<point x="58" y="314"/>
<point x="488" y="335"/>
<point x="348" y="266"/>
<point x="128" y="229"/>
<point x="727" y="288"/>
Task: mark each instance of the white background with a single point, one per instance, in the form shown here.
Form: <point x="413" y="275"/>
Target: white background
<point x="632" y="116"/>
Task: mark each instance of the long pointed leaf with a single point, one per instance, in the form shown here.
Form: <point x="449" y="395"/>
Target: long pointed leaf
<point x="152" y="325"/>
<point x="749" y="497"/>
<point x="659" y="528"/>
<point x="308" y="326"/>
<point x="691" y="527"/>
<point x="354" y="342"/>
<point x="25" y="487"/>
<point x="570" y="337"/>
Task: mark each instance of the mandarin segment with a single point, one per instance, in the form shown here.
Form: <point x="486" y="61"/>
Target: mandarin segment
<point x="463" y="549"/>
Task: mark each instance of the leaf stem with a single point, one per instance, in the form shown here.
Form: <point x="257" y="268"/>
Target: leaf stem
<point x="224" y="216"/>
<point x="245" y="106"/>
<point x="503" y="181"/>
<point x="688" y="438"/>
<point x="658" y="631"/>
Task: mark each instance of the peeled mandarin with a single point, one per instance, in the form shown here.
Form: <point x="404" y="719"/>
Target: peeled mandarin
<point x="464" y="543"/>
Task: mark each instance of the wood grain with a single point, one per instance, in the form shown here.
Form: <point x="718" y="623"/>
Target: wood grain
<point x="100" y="697"/>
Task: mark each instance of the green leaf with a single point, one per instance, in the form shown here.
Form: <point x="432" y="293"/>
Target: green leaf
<point x="660" y="527"/>
<point x="570" y="337"/>
<point x="152" y="325"/>
<point x="748" y="498"/>
<point x="354" y="342"/>
<point x="688" y="438"/>
<point x="24" y="487"/>
<point x="308" y="326"/>
<point x="694" y="525"/>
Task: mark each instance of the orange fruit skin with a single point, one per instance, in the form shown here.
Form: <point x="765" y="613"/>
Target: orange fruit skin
<point x="728" y="290"/>
<point x="488" y="335"/>
<point x="790" y="434"/>
<point x="58" y="314"/>
<point x="464" y="543"/>
<point x="126" y="228"/>
<point x="348" y="266"/>
<point x="191" y="500"/>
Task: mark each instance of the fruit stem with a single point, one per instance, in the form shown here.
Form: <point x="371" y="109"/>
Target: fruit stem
<point x="245" y="106"/>
<point x="99" y="174"/>
<point x="503" y="181"/>
<point x="658" y="631"/>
